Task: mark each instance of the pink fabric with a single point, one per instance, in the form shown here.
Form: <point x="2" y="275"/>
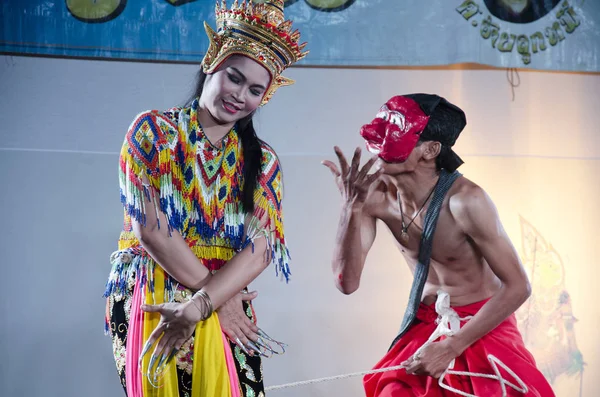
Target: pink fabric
<point x="133" y="375"/>
<point x="233" y="376"/>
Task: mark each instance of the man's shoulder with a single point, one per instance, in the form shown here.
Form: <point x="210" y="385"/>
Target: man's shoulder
<point x="465" y="190"/>
<point x="465" y="193"/>
<point x="467" y="201"/>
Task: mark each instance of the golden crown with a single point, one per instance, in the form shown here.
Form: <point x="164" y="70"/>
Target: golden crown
<point x="259" y="31"/>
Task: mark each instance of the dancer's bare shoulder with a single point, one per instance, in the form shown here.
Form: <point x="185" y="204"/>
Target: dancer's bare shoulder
<point x="471" y="207"/>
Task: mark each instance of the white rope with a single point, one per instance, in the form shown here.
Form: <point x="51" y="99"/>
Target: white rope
<point x="329" y="378"/>
<point x="448" y="324"/>
<point x="494" y="363"/>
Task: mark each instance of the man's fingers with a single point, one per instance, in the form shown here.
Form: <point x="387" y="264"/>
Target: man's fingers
<point x="373" y="177"/>
<point x="407" y="362"/>
<point x="355" y="163"/>
<point x="365" y="168"/>
<point x="412" y="364"/>
<point x="413" y="367"/>
<point x="335" y="172"/>
<point x="342" y="159"/>
<point x="332" y="167"/>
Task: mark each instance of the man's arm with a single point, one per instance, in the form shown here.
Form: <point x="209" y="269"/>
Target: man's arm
<point x="355" y="237"/>
<point x="356" y="229"/>
<point x="477" y="216"/>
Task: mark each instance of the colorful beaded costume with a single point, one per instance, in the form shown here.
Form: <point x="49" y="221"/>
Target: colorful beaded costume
<point x="199" y="189"/>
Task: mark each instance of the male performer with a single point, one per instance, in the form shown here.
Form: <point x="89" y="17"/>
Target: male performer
<point x="468" y="279"/>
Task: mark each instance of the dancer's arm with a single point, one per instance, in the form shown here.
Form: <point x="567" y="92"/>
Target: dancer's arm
<point x="477" y="216"/>
<point x="168" y="249"/>
<point x="356" y="229"/>
<point x="263" y="233"/>
<point x="173" y="254"/>
<point x="355" y="236"/>
<point x="178" y="320"/>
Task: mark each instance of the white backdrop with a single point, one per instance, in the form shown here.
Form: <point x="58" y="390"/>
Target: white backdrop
<point x="62" y="123"/>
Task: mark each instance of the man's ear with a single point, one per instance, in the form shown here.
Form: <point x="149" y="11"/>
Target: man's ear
<point x="431" y="150"/>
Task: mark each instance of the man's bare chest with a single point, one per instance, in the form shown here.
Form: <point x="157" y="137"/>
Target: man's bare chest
<point x="450" y="244"/>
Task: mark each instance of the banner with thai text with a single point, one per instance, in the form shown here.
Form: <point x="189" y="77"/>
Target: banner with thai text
<point x="540" y="34"/>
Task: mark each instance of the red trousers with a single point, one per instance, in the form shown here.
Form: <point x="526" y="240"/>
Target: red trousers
<point x="504" y="342"/>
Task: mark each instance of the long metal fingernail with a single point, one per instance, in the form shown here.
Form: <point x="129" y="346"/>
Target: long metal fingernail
<point x="163" y="358"/>
<point x="159" y="367"/>
<point x="256" y="348"/>
<point x="280" y="344"/>
<point x="241" y="345"/>
<point x="148" y="373"/>
<point x="263" y="334"/>
<point x="152" y="361"/>
<point x="146" y="348"/>
<point x="283" y="346"/>
<point x="172" y="355"/>
<point x="264" y="344"/>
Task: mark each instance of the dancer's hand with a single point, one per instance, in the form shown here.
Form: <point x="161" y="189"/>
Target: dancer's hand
<point x="236" y="325"/>
<point x="177" y="324"/>
<point x="433" y="360"/>
<point x="353" y="183"/>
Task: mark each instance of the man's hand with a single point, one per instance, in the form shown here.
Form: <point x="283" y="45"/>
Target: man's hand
<point x="432" y="360"/>
<point x="353" y="183"/>
<point x="236" y="325"/>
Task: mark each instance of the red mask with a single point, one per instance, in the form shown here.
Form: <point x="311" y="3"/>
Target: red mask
<point x="396" y="129"/>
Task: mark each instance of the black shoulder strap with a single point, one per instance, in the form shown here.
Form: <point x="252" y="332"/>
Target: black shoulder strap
<point x="433" y="212"/>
